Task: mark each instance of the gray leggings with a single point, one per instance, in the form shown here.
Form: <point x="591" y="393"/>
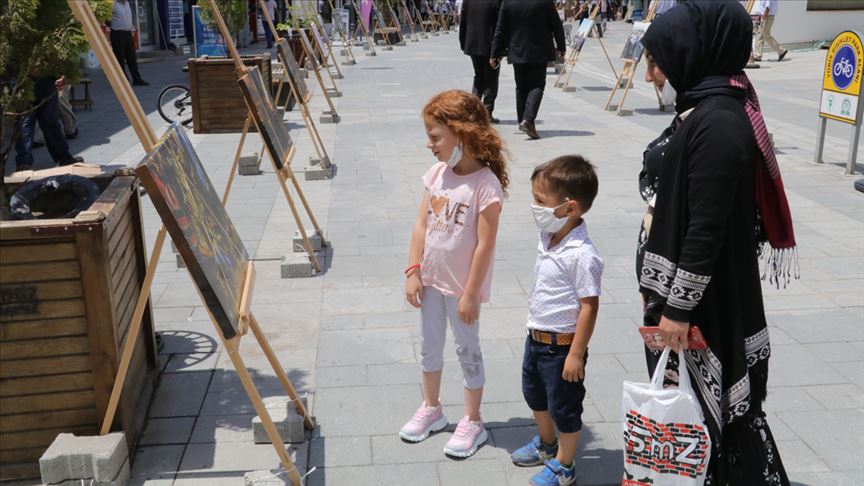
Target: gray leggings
<point x="437" y="309"/>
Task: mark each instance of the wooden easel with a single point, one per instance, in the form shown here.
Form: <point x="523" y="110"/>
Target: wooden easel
<point x="346" y="43"/>
<point x="326" y="50"/>
<point x="628" y="72"/>
<point x="394" y="19"/>
<point x="312" y="62"/>
<point x="384" y="29"/>
<point x="573" y="57"/>
<point x="362" y="26"/>
<point x="433" y="17"/>
<point x="295" y="92"/>
<point x="84" y="14"/>
<point x="426" y="26"/>
<point x="410" y="19"/>
<point x="283" y="173"/>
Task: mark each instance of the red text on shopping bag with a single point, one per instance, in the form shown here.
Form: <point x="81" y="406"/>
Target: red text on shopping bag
<point x="666" y="448"/>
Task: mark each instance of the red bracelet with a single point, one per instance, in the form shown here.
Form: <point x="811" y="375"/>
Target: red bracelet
<point x="411" y="268"/>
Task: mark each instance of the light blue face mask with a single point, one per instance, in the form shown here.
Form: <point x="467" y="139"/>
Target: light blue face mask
<point x="455" y="156"/>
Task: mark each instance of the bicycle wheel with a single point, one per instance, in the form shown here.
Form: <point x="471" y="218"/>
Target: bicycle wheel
<point x="175" y="104"/>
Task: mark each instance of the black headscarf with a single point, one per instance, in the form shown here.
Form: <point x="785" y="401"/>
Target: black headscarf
<point x="698" y="45"/>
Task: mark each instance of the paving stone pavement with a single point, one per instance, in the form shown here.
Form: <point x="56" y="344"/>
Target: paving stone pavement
<point x="349" y="340"/>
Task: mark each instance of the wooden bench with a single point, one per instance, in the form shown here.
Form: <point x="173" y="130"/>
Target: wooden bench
<point x="86" y="102"/>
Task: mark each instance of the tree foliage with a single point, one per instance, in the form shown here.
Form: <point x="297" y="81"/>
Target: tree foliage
<point x="37" y="38"/>
<point x="235" y="13"/>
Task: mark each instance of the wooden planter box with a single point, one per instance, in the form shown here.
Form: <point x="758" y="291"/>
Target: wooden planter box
<point x="67" y="290"/>
<point x="217" y="102"/>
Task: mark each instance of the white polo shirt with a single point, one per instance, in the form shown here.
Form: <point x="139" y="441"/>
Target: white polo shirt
<point x="562" y="275"/>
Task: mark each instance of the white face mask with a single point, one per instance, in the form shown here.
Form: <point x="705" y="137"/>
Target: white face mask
<point x="455" y="156"/>
<point x="668" y="94"/>
<point x="546" y="220"/>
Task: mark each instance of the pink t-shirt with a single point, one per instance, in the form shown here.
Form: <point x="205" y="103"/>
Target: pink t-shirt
<point x="455" y="204"/>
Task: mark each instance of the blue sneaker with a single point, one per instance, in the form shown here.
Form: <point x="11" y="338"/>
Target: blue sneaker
<point x="554" y="474"/>
<point x="534" y="453"/>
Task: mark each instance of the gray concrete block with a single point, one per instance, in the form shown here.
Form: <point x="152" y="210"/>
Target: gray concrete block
<point x="366" y="46"/>
<point x="371" y="53"/>
<point x="272" y="477"/>
<point x="315" y="239"/>
<point x="348" y="62"/>
<point x="318" y="173"/>
<point x="103" y="459"/>
<point x="304" y="73"/>
<point x="334" y="93"/>
<point x="343" y="52"/>
<point x="288" y="422"/>
<point x="330" y="117"/>
<point x="570" y="89"/>
<point x="249" y="165"/>
<point x="323" y="162"/>
<point x="297" y="265"/>
<point x="387" y="48"/>
<point x="338" y="76"/>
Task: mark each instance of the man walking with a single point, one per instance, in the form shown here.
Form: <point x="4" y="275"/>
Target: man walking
<point x="477" y="21"/>
<point x="528" y="32"/>
<point x="271" y="10"/>
<point x="121" y="40"/>
<point x="767" y="9"/>
<point x="46" y="114"/>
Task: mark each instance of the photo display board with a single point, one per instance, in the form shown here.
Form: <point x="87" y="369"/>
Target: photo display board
<point x="196" y="220"/>
<point x="292" y="68"/>
<point x="267" y="118"/>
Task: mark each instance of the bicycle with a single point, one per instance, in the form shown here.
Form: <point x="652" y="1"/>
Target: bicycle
<point x="845" y="67"/>
<point x="175" y="104"/>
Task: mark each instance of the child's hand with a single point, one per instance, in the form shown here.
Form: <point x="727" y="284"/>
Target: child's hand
<point x="414" y="290"/>
<point x="574" y="368"/>
<point x="468" y="309"/>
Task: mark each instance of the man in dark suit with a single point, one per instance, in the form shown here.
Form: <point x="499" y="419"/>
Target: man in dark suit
<point x="528" y="32"/>
<point x="477" y="22"/>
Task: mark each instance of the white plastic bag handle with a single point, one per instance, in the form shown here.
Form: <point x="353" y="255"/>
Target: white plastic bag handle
<point x="660" y="372"/>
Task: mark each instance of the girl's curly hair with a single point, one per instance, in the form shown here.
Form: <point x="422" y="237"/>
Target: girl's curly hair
<point x="464" y="114"/>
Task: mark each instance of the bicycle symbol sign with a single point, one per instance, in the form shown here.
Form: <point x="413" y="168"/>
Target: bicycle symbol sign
<point x="843" y="70"/>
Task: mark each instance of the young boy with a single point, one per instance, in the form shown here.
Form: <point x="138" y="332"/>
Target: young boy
<point x="562" y="310"/>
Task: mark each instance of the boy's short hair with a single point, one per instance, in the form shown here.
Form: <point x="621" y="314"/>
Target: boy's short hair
<point x="571" y="177"/>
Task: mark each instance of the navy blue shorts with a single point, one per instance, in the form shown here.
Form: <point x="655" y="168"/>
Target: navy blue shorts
<point x="544" y="389"/>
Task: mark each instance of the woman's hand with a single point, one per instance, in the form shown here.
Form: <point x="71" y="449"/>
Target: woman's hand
<point x="674" y="333"/>
<point x="468" y="309"/>
<point x="574" y="368"/>
<point x="414" y="289"/>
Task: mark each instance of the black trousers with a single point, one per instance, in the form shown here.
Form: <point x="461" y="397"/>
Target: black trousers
<point x="124" y="50"/>
<point x="485" y="82"/>
<point x="530" y="83"/>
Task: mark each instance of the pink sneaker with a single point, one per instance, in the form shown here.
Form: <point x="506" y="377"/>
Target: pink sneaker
<point x="425" y="421"/>
<point x="467" y="438"/>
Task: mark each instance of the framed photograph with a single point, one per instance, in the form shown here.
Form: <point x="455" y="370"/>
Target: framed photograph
<point x="267" y="117"/>
<point x="581" y="34"/>
<point x="313" y="61"/>
<point x="292" y="68"/>
<point x="633" y="47"/>
<point x="193" y="214"/>
<point x="320" y="40"/>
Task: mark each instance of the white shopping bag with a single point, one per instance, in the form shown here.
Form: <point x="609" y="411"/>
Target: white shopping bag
<point x="666" y="442"/>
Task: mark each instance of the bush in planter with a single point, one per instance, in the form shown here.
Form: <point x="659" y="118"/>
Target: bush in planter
<point x="37" y="38"/>
<point x="235" y="13"/>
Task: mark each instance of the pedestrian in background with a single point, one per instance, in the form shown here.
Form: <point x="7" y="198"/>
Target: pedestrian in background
<point x="271" y="9"/>
<point x="122" y="42"/>
<point x="47" y="115"/>
<point x="766" y="10"/>
<point x="477" y="21"/>
<point x="529" y="33"/>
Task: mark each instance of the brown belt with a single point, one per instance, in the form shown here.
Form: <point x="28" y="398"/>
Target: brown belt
<point x="551" y="337"/>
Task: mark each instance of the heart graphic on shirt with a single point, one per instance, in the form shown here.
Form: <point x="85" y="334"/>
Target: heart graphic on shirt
<point x="438" y="204"/>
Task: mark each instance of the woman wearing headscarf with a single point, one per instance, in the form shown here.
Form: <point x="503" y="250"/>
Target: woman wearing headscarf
<point x="716" y="204"/>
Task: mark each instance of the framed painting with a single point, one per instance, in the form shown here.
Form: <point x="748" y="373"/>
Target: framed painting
<point x="582" y="34"/>
<point x="292" y="68"/>
<point x="320" y="40"/>
<point x="267" y="118"/>
<point x="196" y="220"/>
<point x="311" y="57"/>
<point x="633" y="47"/>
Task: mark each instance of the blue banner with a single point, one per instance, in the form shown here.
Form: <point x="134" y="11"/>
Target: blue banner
<point x="208" y="41"/>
